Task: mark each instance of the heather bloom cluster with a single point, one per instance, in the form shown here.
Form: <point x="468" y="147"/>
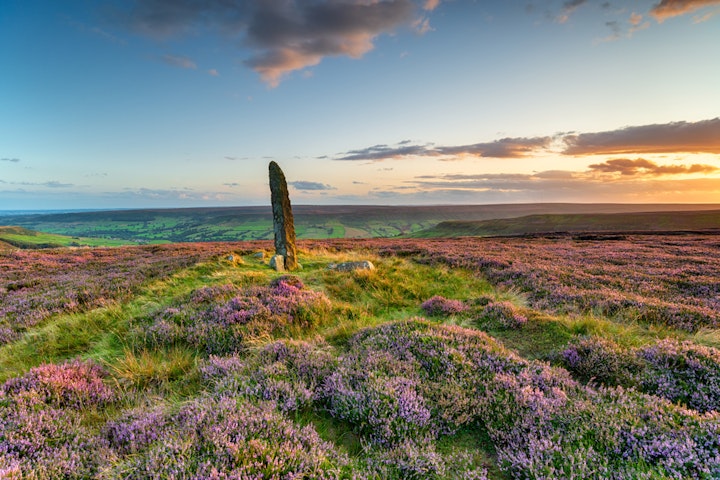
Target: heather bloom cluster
<point x="41" y="434"/>
<point x="672" y="280"/>
<point x="502" y="315"/>
<point x="75" y="384"/>
<point x="681" y="372"/>
<point x="219" y="319"/>
<point x="35" y="284"/>
<point x="441" y="306"/>
<point x="223" y="438"/>
<point x="404" y="385"/>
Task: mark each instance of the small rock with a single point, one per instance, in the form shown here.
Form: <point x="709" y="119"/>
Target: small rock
<point x="352" y="266"/>
<point x="277" y="262"/>
<point x="259" y="255"/>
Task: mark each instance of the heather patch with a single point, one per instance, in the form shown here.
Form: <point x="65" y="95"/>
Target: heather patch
<point x="682" y="372"/>
<point x="441" y="306"/>
<point x="654" y="279"/>
<point x="35" y="284"/>
<point x="600" y="360"/>
<point x="223" y="438"/>
<point x="411" y="380"/>
<point x="75" y="384"/>
<point x="503" y="315"/>
<point x="41" y="429"/>
<point x="221" y="319"/>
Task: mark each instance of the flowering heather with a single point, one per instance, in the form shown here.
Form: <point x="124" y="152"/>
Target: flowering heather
<point x="683" y="372"/>
<point x="600" y="360"/>
<point x="441" y="306"/>
<point x="223" y="438"/>
<point x="219" y="319"/>
<point x="285" y="372"/>
<point x="503" y="315"/>
<point x="35" y="284"/>
<point x="411" y="380"/>
<point x="75" y="384"/>
<point x="672" y="280"/>
<point x="41" y="434"/>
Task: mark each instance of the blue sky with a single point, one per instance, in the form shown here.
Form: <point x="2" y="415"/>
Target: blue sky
<point x="172" y="103"/>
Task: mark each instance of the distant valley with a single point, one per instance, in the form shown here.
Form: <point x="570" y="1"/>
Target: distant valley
<point x="343" y="221"/>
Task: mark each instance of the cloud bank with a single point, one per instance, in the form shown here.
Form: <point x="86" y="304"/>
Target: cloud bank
<point x="675" y="137"/>
<point x="284" y="35"/>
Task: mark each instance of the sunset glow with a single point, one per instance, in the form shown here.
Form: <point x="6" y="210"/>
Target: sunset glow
<point x="128" y="103"/>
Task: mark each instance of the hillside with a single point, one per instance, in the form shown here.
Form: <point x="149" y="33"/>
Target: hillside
<point x="664" y="221"/>
<point x="255" y="223"/>
<point x="495" y="358"/>
<point x="12" y="237"/>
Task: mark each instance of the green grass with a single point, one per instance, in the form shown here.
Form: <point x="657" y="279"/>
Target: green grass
<point x="30" y="239"/>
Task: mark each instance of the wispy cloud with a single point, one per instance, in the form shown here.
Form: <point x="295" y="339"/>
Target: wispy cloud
<point x="285" y="35"/>
<point x="10" y="160"/>
<point x="675" y="137"/>
<point x="568" y="8"/>
<point x="310" y="186"/>
<point x="179" y="61"/>
<point x="502" y="148"/>
<point x="673" y="8"/>
<point x="641" y="167"/>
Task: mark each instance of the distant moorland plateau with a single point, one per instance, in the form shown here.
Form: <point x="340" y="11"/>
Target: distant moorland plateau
<point x="343" y="221"/>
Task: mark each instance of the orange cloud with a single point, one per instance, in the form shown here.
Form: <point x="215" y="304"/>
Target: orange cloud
<point x="676" y="137"/>
<point x="641" y="167"/>
<point x="673" y="8"/>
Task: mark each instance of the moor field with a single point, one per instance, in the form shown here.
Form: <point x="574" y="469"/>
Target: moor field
<point x="594" y="357"/>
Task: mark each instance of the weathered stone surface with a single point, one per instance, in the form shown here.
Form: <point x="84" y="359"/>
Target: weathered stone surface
<point x="259" y="255"/>
<point x="277" y="262"/>
<point x="283" y="224"/>
<point x="351" y="266"/>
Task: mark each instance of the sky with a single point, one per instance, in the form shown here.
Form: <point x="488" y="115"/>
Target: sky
<point x="183" y="103"/>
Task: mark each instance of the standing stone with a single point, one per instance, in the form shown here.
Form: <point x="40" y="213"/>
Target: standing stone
<point x="283" y="224"/>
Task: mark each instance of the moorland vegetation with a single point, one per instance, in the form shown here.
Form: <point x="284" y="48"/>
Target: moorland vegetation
<point x="472" y="358"/>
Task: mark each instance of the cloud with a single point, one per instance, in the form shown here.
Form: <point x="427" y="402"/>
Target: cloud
<point x="642" y="167"/>
<point x="10" y="160"/>
<point x="310" y="186"/>
<point x="181" y="62"/>
<point x="673" y="8"/>
<point x="676" y="137"/>
<point x="56" y="184"/>
<point x="284" y="35"/>
<point x="568" y="8"/>
<point x="549" y="186"/>
<point x="213" y="72"/>
<point x="384" y="152"/>
<point x="502" y="148"/>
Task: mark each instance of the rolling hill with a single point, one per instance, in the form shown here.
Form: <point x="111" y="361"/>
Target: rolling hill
<point x="699" y="221"/>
